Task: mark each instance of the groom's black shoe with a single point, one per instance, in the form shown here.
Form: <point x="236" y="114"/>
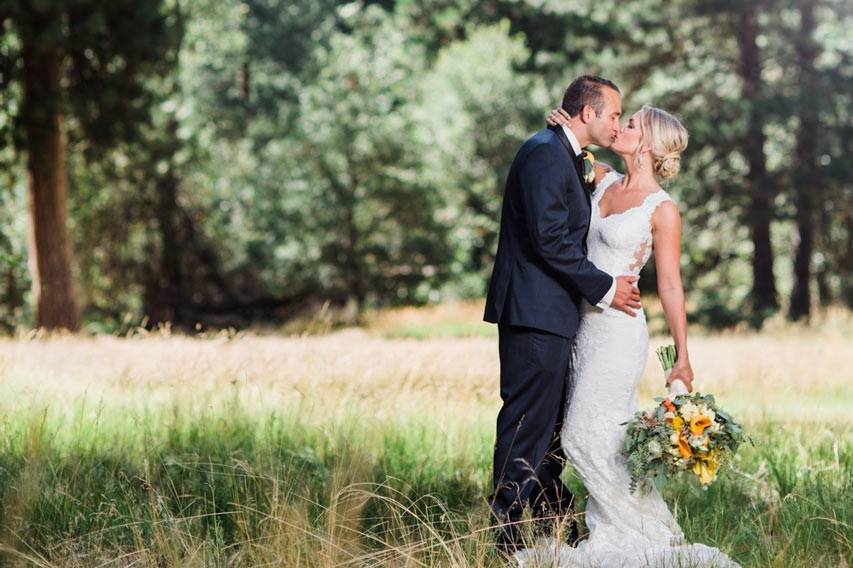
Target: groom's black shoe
<point x="554" y="512"/>
<point x="564" y="526"/>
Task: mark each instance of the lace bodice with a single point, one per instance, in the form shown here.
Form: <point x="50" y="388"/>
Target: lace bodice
<point x="621" y="243"/>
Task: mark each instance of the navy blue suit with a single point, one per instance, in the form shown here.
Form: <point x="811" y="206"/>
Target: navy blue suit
<point x="540" y="276"/>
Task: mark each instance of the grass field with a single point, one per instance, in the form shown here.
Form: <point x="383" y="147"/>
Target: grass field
<point x="371" y="447"/>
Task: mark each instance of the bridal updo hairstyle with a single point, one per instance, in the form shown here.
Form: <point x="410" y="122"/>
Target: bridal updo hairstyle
<point x="667" y="139"/>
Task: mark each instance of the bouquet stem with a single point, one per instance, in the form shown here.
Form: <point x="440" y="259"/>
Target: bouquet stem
<point x="667" y="355"/>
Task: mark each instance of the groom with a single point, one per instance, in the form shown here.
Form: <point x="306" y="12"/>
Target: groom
<point x="541" y="275"/>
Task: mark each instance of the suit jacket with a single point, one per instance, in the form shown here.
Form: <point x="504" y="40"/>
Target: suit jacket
<point x="541" y="272"/>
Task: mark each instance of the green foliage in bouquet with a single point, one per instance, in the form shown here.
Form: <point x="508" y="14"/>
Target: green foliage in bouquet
<point x="685" y="433"/>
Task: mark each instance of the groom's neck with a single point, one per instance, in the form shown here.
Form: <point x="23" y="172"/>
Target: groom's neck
<point x="580" y="132"/>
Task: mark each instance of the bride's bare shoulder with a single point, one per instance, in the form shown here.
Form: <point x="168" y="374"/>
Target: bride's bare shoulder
<point x="666" y="216"/>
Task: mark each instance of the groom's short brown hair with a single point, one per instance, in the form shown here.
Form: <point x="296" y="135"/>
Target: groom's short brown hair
<point x="586" y="90"/>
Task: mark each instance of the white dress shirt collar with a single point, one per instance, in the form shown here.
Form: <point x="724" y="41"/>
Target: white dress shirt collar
<point x="607" y="299"/>
<point x="572" y="140"/>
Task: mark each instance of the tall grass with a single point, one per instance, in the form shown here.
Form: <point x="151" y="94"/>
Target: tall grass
<point x="357" y="450"/>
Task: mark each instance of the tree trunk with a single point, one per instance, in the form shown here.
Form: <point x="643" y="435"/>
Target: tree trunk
<point x="349" y="258"/>
<point x="846" y="264"/>
<point x="169" y="283"/>
<point x="806" y="187"/>
<point x="823" y="244"/>
<point x="50" y="250"/>
<point x="354" y="272"/>
<point x="171" y="291"/>
<point x="759" y="212"/>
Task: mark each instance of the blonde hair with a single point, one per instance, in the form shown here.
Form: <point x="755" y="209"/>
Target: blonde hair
<point x="667" y="139"/>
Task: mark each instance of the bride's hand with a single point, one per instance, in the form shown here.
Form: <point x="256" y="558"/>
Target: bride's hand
<point x="683" y="372"/>
<point x="558" y="116"/>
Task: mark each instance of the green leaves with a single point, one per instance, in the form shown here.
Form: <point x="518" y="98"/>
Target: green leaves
<point x="475" y="110"/>
<point x="657" y="447"/>
<point x="283" y="121"/>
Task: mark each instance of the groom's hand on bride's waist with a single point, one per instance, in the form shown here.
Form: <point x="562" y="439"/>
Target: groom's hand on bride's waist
<point x="627" y="296"/>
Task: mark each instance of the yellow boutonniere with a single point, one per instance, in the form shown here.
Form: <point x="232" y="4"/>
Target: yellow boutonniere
<point x="588" y="161"/>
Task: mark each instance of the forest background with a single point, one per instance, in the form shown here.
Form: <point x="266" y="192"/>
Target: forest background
<point x="217" y="164"/>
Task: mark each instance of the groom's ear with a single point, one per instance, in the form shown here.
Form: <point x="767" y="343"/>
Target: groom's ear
<point x="587" y="113"/>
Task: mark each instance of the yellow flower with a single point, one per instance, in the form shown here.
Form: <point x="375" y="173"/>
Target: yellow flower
<point x="588" y="160"/>
<point x="706" y="470"/>
<point x="698" y="424"/>
<point x="677" y="423"/>
<point x="684" y="447"/>
<point x="714" y="457"/>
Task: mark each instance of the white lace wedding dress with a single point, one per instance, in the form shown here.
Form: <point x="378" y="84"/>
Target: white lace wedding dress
<point x="625" y="530"/>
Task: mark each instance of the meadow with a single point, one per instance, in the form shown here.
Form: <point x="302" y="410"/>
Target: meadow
<point x="371" y="446"/>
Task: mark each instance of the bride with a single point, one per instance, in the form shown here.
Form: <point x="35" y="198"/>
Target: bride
<point x="631" y="216"/>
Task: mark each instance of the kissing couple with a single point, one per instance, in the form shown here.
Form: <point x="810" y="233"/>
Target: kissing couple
<point x="573" y="340"/>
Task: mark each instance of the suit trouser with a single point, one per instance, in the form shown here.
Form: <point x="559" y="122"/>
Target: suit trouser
<point x="528" y="458"/>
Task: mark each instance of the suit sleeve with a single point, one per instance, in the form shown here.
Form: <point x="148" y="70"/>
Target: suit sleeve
<point x="544" y="180"/>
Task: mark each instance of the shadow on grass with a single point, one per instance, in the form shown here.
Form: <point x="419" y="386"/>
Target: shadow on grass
<point x="232" y="488"/>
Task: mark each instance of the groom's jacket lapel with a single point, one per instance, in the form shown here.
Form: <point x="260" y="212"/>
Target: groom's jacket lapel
<point x="558" y="130"/>
<point x="540" y="283"/>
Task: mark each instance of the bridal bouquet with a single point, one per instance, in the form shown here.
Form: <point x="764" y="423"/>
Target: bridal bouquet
<point x="683" y="433"/>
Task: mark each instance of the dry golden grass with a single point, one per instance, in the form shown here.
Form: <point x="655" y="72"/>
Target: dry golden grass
<point x="368" y="392"/>
<point x="794" y="375"/>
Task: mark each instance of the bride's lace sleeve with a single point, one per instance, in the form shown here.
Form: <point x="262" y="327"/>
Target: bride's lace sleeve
<point x="608" y="178"/>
